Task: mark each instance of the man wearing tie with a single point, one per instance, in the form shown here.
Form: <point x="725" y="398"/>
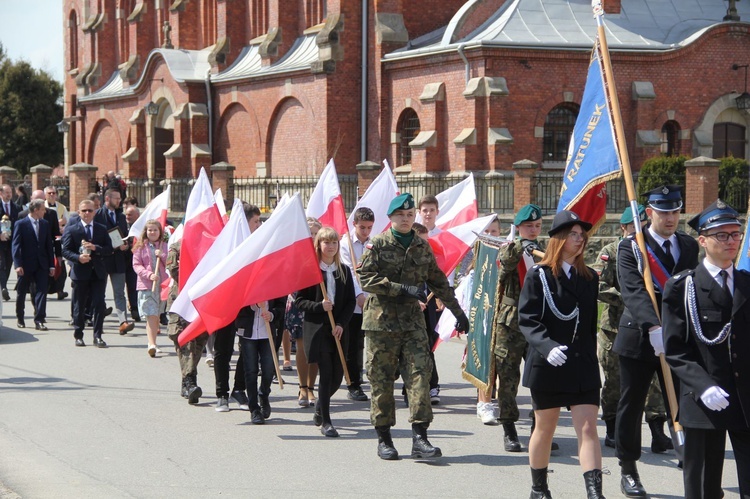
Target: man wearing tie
<point x="34" y="261"/>
<point x="85" y="244"/>
<point x="7" y="207"/>
<point x="706" y="342"/>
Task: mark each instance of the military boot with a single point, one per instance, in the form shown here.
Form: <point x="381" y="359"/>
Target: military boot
<point x="593" y="481"/>
<point x="660" y="442"/>
<point x="609" y="438"/>
<point x="193" y="390"/>
<point x="184" y="391"/>
<point x="386" y="450"/>
<point x="511" y="438"/>
<point x="539" y="488"/>
<point x="421" y="448"/>
<point x="630" y="482"/>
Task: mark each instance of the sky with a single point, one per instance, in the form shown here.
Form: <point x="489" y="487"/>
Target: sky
<point x="32" y="30"/>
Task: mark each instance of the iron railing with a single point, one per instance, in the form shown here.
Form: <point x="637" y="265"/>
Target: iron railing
<point x="494" y="189"/>
<point x="266" y="192"/>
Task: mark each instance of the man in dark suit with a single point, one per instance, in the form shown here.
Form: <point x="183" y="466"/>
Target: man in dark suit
<point x="708" y="347"/>
<point x="34" y="261"/>
<point x="639" y="339"/>
<point x="109" y="217"/>
<point x="85" y="244"/>
<point x="56" y="284"/>
<point x="131" y="279"/>
<point x="7" y="207"/>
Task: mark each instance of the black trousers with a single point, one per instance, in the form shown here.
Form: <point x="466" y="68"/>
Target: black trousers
<point x="355" y="352"/>
<point x="704" y="462"/>
<point x="6" y="262"/>
<point x="255" y="353"/>
<point x="635" y="378"/>
<point x="40" y="278"/>
<point x="331" y="373"/>
<point x="83" y="291"/>
<point x="223" y="350"/>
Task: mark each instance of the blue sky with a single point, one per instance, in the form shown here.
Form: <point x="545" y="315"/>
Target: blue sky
<point x="32" y="30"/>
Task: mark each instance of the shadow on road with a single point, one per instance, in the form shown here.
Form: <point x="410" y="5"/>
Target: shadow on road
<point x="11" y="336"/>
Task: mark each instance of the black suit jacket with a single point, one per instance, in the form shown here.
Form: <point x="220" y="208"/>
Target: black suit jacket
<point x="632" y="339"/>
<point x="30" y="252"/>
<point x="14" y="211"/>
<point x="115" y="263"/>
<point x="544" y="331"/>
<point x="71" y="242"/>
<point x="700" y="366"/>
<point x="246" y="317"/>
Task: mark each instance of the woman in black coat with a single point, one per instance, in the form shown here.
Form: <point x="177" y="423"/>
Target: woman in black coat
<point x="557" y="313"/>
<point x="318" y="336"/>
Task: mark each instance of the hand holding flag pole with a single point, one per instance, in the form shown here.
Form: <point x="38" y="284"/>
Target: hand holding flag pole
<point x="338" y="342"/>
<point x="273" y="349"/>
<point x="157" y="282"/>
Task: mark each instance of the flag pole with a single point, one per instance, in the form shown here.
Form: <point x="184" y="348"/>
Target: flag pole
<point x="157" y="282"/>
<point x="630" y="187"/>
<point x="273" y="349"/>
<point x="338" y="342"/>
<point x="353" y="257"/>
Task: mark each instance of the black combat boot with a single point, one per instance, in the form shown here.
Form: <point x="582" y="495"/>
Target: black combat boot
<point x="184" y="391"/>
<point x="593" y="481"/>
<point x="609" y="438"/>
<point x="630" y="482"/>
<point x="511" y="438"/>
<point x="660" y="442"/>
<point x="386" y="450"/>
<point x="193" y="390"/>
<point x="421" y="448"/>
<point x="539" y="488"/>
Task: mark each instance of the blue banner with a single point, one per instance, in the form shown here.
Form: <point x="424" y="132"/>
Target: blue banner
<point x="743" y="259"/>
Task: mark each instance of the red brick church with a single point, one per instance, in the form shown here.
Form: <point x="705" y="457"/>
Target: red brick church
<point x="158" y="88"/>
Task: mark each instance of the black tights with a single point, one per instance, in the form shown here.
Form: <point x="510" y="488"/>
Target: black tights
<point x="331" y="373"/>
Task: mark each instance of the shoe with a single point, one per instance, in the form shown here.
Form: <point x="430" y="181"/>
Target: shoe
<point x="357" y="395"/>
<point x="510" y="439"/>
<point x="71" y="323"/>
<point x="609" y="441"/>
<point x="421" y="448"/>
<point x="302" y="397"/>
<point x="660" y="442"/>
<point x="126" y="326"/>
<point x="434" y="396"/>
<point x="184" y="389"/>
<point x="239" y="397"/>
<point x="317" y="419"/>
<point x="158" y="350"/>
<point x="265" y="406"/>
<point x="21" y="323"/>
<point x="194" y="391"/>
<point x="107" y="311"/>
<point x="329" y="431"/>
<point x="99" y="343"/>
<point x="593" y="481"/>
<point x="256" y="417"/>
<point x="311" y="396"/>
<point x="6" y="295"/>
<point x="554" y="446"/>
<point x="40" y="326"/>
<point x="386" y="450"/>
<point x="62" y="295"/>
<point x="80" y="343"/>
<point x="631" y="486"/>
<point x="210" y="361"/>
<point x="539" y="487"/>
<point x="222" y="405"/>
<point x="151" y="351"/>
<point x="89" y="323"/>
<point x="486" y="412"/>
<point x="163" y="319"/>
<point x="135" y="316"/>
<point x="287" y="367"/>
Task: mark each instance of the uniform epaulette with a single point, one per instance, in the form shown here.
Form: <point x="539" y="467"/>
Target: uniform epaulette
<point x="682" y="274"/>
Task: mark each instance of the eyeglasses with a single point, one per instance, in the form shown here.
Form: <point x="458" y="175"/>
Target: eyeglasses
<point x="576" y="236"/>
<point x="86" y="211"/>
<point x="724" y="236"/>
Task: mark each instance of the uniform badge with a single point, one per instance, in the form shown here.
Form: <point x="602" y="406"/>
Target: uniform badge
<point x="368" y="246"/>
<point x="533" y="215"/>
<point x="605" y="258"/>
<point x="665" y="190"/>
<point x="573" y="216"/>
<point x="721" y="204"/>
<point x="406" y="205"/>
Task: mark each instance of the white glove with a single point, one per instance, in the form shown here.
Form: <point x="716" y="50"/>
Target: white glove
<point x="715" y="398"/>
<point x="556" y="356"/>
<point x="657" y="341"/>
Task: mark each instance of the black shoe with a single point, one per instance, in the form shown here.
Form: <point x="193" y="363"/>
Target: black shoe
<point x="329" y="431"/>
<point x="40" y="326"/>
<point x="511" y="438"/>
<point x="21" y="323"/>
<point x="256" y="417"/>
<point x="62" y="295"/>
<point x="135" y="316"/>
<point x="265" y="406"/>
<point x="609" y="441"/>
<point x="80" y="343"/>
<point x="421" y="448"/>
<point x="89" y="323"/>
<point x="107" y="311"/>
<point x="163" y="319"/>
<point x="660" y="442"/>
<point x="554" y="446"/>
<point x="593" y="481"/>
<point x="631" y="486"/>
<point x="357" y="395"/>
<point x="99" y="343"/>
<point x="317" y="419"/>
<point x="6" y="295"/>
<point x="386" y="450"/>
<point x="539" y="487"/>
<point x="194" y="393"/>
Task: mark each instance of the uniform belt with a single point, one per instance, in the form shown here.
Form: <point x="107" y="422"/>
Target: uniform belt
<point x="509" y="301"/>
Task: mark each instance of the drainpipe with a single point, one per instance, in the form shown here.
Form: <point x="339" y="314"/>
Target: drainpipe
<point x="210" y="106"/>
<point x="363" y="108"/>
<point x="466" y="61"/>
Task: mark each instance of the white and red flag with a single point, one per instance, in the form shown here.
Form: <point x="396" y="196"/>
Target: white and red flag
<point x="203" y="223"/>
<point x="155" y="210"/>
<point x="282" y="246"/>
<point x="526" y="261"/>
<point x="326" y="203"/>
<point x="219" y="198"/>
<point x="451" y="245"/>
<point x="457" y="204"/>
<point x="378" y="197"/>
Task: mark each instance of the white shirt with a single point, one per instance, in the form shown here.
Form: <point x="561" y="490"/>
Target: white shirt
<point x="359" y="248"/>
<point x="674" y="249"/>
<point x="714" y="271"/>
<point x="566" y="268"/>
<point x="259" y="331"/>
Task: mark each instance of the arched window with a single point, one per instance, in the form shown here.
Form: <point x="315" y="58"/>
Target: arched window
<point x="72" y="40"/>
<point x="729" y="140"/>
<point x="408" y="128"/>
<point x="670" y="138"/>
<point x="558" y="127"/>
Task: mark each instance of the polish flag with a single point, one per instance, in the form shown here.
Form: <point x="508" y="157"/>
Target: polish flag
<point x="282" y="246"/>
<point x="232" y="235"/>
<point x="219" y="198"/>
<point x="156" y="209"/>
<point x="451" y="246"/>
<point x="457" y="204"/>
<point x="378" y="198"/>
<point x="326" y="203"/>
<point x="202" y="224"/>
<point x="526" y="261"/>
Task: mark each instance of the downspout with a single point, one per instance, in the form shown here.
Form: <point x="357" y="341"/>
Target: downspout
<point x="210" y="107"/>
<point x="363" y="106"/>
<point x="466" y="61"/>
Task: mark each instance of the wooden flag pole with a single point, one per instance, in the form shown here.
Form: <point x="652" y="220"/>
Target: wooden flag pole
<point x="353" y="258"/>
<point x="274" y="352"/>
<point x="156" y="286"/>
<point x="338" y="342"/>
<point x="640" y="239"/>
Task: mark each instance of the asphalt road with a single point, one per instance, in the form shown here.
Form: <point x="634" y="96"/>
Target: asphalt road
<point x="110" y="423"/>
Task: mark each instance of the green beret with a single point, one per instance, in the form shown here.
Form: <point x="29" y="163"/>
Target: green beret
<point x="403" y="202"/>
<point x="530" y="212"/>
<point x="627" y="215"/>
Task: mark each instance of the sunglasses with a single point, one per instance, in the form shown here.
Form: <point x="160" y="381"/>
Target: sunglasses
<point x="86" y="211"/>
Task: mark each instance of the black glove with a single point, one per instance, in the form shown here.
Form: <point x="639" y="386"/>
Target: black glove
<point x="530" y="246"/>
<point x="413" y="292"/>
<point x="462" y="323"/>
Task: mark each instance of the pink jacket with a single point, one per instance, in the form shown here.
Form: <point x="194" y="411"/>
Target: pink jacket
<point x="144" y="267"/>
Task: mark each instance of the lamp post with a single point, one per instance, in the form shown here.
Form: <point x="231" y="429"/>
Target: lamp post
<point x="743" y="101"/>
<point x="152" y="108"/>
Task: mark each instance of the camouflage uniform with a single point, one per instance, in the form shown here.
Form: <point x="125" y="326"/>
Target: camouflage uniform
<point x="395" y="326"/>
<point x="190" y="354"/>
<point x="510" y="345"/>
<point x="613" y="307"/>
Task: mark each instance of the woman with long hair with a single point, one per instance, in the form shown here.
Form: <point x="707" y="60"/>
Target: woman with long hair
<point x="318" y="335"/>
<point x="557" y="314"/>
<point x="150" y="249"/>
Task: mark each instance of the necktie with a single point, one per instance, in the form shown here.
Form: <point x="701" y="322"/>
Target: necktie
<point x="573" y="275"/>
<point x="725" y="282"/>
<point x="87" y="228"/>
<point x="669" y="260"/>
<point x="36" y="229"/>
<point x="112" y="217"/>
<point x="7" y="209"/>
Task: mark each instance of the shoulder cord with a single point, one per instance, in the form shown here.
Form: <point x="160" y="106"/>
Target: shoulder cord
<point x="638" y="256"/>
<point x="691" y="311"/>
<point x="555" y="311"/>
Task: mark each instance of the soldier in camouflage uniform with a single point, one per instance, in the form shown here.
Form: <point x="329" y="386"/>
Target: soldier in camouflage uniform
<point x="510" y="344"/>
<point x="190" y="354"/>
<point x="394" y="267"/>
<point x="609" y="295"/>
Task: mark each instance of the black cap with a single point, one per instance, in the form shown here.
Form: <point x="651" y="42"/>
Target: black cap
<point x="717" y="214"/>
<point x="567" y="218"/>
<point x="665" y="198"/>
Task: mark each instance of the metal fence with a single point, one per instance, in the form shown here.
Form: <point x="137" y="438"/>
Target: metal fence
<point x="265" y="192"/>
<point x="494" y="189"/>
<point x="734" y="191"/>
<point x="144" y="190"/>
